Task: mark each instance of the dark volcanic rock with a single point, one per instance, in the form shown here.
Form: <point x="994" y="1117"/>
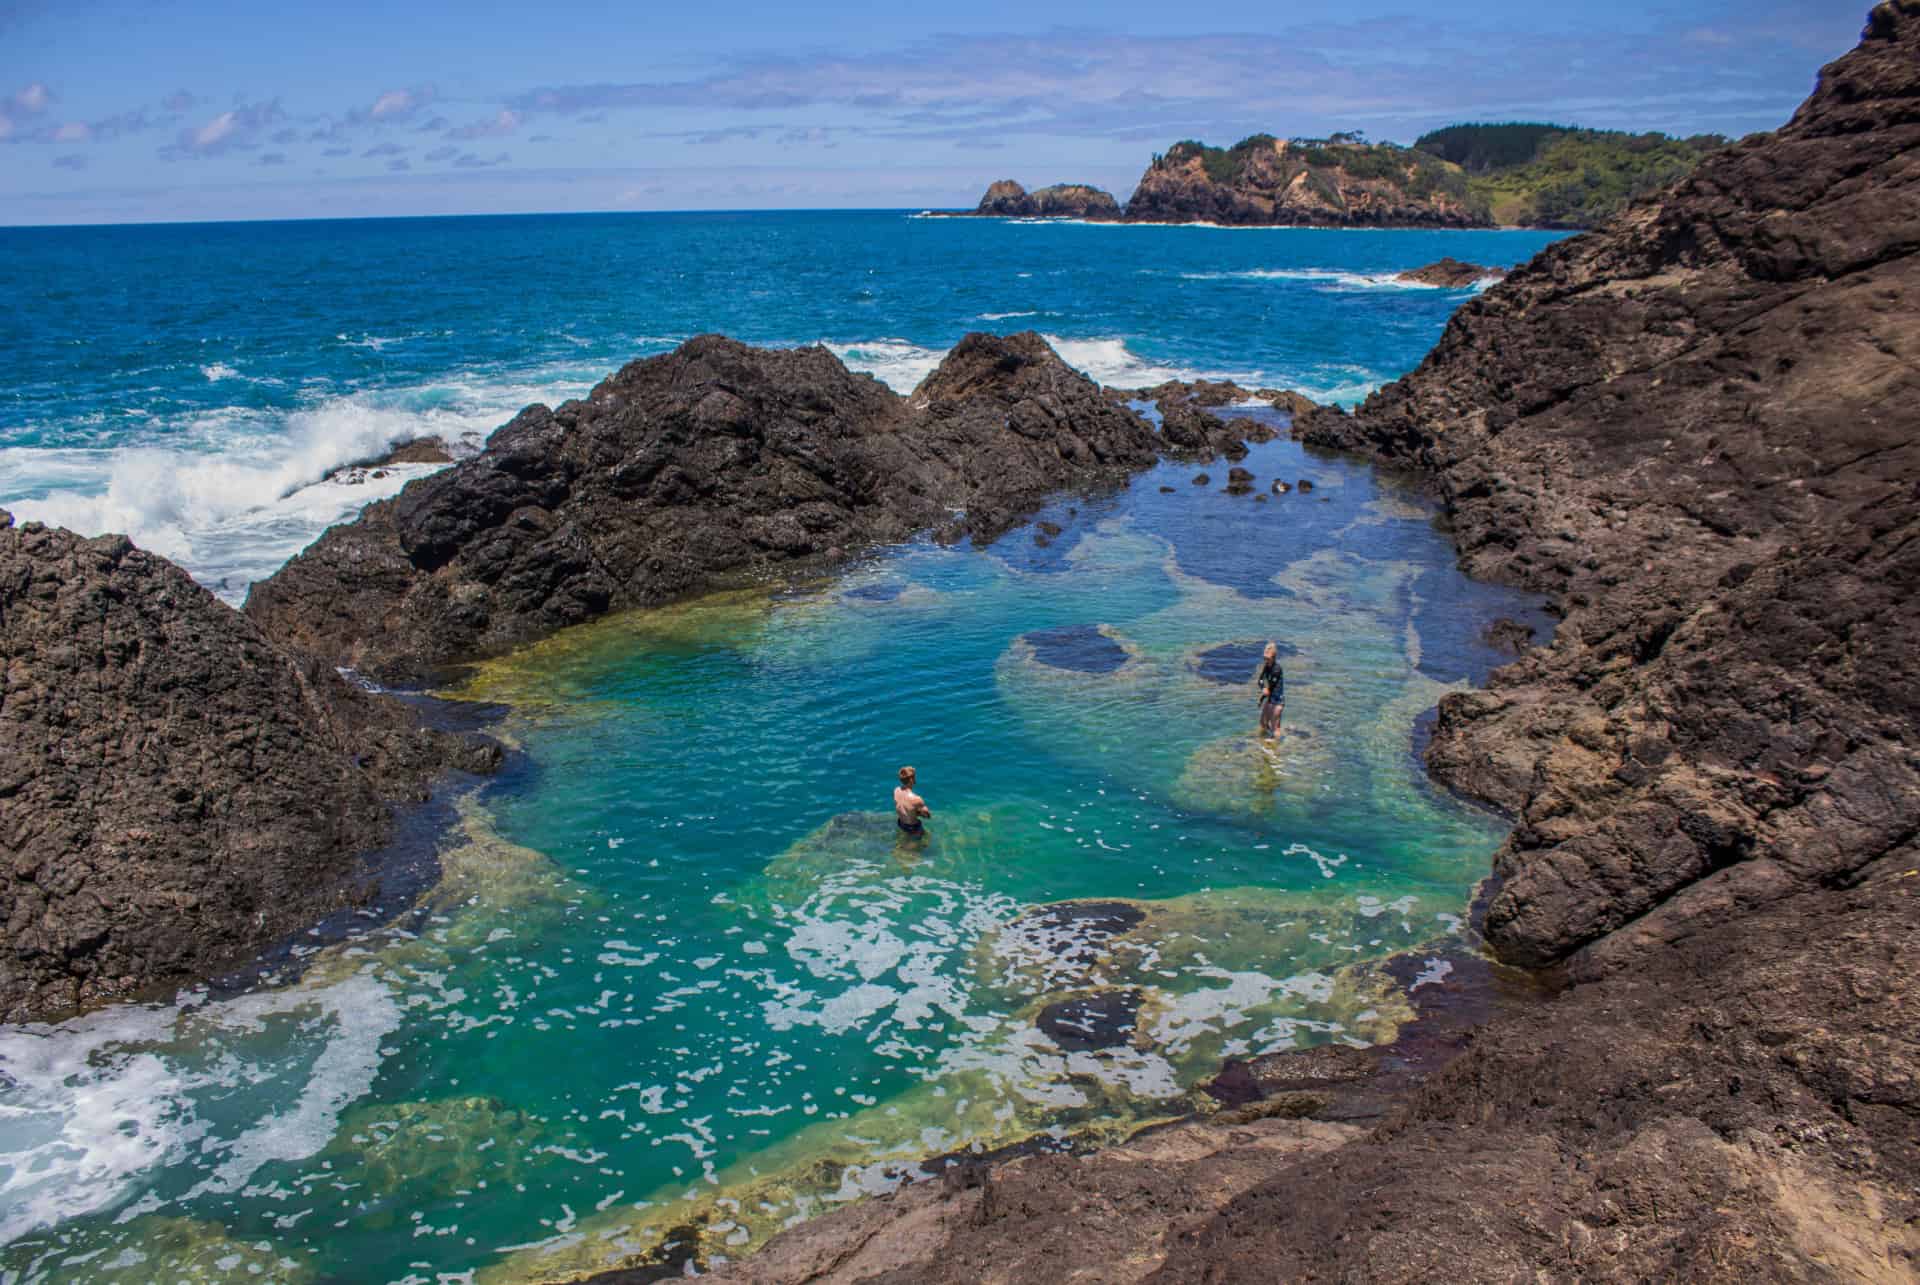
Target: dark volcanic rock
<point x="1100" y="1021"/>
<point x="712" y="462"/>
<point x="1509" y="636"/>
<point x="1450" y="272"/>
<point x="1239" y="481"/>
<point x="176" y="791"/>
<point x="1006" y="199"/>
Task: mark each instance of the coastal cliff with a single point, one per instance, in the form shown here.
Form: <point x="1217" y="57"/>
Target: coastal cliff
<point x="1697" y="430"/>
<point x="1267" y="180"/>
<point x="716" y="461"/>
<point x="176" y="791"/>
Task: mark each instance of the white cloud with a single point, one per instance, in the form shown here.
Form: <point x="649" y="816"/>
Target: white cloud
<point x="395" y="102"/>
<point x="32" y="100"/>
<point x="499" y="126"/>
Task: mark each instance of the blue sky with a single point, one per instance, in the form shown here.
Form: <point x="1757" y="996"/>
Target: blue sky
<point x="133" y="110"/>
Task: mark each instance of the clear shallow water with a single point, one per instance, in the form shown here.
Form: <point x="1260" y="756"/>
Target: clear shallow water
<point x="681" y="970"/>
<point x="189" y="384"/>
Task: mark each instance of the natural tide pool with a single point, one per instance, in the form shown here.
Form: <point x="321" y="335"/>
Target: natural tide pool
<point x="683" y="981"/>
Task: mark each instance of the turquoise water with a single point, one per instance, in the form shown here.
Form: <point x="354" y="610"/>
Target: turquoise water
<point x="683" y="981"/>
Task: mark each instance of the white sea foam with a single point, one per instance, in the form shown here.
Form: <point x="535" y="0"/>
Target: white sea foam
<point x="238" y="491"/>
<point x="93" y="1110"/>
<point x="1333" y="279"/>
<point x="1004" y="316"/>
<point x="898" y="364"/>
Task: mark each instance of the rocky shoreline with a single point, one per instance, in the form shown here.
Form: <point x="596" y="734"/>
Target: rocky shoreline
<point x="1694" y="429"/>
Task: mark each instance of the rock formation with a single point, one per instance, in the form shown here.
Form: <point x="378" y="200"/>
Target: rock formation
<point x="175" y="792"/>
<point x="1265" y="180"/>
<point x="1450" y="272"/>
<point x="1006" y="199"/>
<point x="714" y="461"/>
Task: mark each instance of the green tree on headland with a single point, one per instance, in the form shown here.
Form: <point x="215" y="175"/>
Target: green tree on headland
<point x="1543" y="175"/>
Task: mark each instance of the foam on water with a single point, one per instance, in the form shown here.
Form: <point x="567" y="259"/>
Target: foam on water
<point x="1333" y="279"/>
<point x="96" y="1109"/>
<point x="245" y="489"/>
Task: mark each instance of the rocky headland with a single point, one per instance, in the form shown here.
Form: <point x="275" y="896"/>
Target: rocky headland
<point x="1006" y="199"/>
<point x="176" y="792"/>
<point x="1265" y="180"/>
<point x="1697" y="430"/>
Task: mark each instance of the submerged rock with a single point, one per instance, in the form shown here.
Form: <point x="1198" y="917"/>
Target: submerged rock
<point x="1084" y="649"/>
<point x="713" y="461"/>
<point x="1235" y="663"/>
<point x="1239" y="481"/>
<point x="1103" y="1020"/>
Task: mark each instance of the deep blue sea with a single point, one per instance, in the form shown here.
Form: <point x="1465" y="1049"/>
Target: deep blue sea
<point x="681" y="978"/>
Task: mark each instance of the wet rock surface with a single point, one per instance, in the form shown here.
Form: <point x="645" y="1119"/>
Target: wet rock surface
<point x="712" y="464"/>
<point x="176" y="791"/>
<point x="1450" y="272"/>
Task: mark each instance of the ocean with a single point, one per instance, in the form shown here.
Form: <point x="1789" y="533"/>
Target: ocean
<point x="681" y="981"/>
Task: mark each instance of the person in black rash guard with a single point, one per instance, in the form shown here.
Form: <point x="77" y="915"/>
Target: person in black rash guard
<point x="1272" y="681"/>
<point x="909" y="809"/>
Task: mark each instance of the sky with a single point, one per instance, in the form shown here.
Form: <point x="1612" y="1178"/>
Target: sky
<point x="115" y="111"/>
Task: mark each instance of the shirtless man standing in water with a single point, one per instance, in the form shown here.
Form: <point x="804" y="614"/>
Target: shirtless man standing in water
<point x="909" y="809"/>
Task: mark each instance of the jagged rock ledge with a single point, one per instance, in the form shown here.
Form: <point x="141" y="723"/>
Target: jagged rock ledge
<point x="177" y="791"/>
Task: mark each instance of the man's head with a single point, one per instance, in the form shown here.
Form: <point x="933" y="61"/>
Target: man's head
<point x="1273" y="650"/>
<point x="906" y="777"/>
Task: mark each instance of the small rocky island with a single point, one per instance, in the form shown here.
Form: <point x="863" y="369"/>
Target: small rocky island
<point x="1008" y="200"/>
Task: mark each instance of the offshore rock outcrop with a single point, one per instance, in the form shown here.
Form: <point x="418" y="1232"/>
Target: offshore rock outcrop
<point x="716" y="461"/>
<point x="1449" y="272"/>
<point x="1006" y="199"/>
<point x="1265" y="180"/>
<point x="175" y="791"/>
